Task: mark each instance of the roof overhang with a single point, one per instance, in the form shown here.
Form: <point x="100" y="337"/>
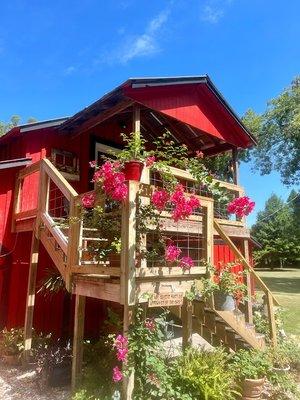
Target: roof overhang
<point x="208" y="113"/>
<point x="33" y="126"/>
<point x="15" y="163"/>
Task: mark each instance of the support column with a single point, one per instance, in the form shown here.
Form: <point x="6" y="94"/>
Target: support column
<point x="34" y="255"/>
<point x="187" y="323"/>
<point x="78" y="339"/>
<point x="248" y="309"/>
<point x="235" y="166"/>
<point x="136" y="120"/>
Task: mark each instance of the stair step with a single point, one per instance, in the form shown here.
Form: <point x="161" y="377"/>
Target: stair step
<point x="210" y="319"/>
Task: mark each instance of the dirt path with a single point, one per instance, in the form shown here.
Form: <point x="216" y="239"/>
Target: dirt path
<point x="16" y="384"/>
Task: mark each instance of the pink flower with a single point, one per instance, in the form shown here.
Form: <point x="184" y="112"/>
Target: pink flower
<point x="172" y="253"/>
<point x="150" y="324"/>
<point x="88" y="200"/>
<point x="150" y="161"/>
<point x="117" y="374"/>
<point x="112" y="180"/>
<point x="183" y="206"/>
<point x="160" y="198"/>
<point x="199" y="154"/>
<point x="122" y="354"/>
<point x="241" y="206"/>
<point x="93" y="164"/>
<point x="186" y="263"/>
<point x="121" y="342"/>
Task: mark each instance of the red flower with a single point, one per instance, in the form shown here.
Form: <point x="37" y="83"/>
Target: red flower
<point x="150" y="161"/>
<point x="199" y="154"/>
<point x="117" y="374"/>
<point x="160" y="198"/>
<point x="186" y="263"/>
<point x="122" y="354"/>
<point x="150" y="324"/>
<point x="172" y="253"/>
<point x="88" y="200"/>
<point x="241" y="206"/>
<point x="183" y="206"/>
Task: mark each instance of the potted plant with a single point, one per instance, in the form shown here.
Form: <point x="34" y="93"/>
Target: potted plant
<point x="226" y="285"/>
<point x="133" y="155"/>
<point x="251" y="368"/>
<point x="11" y="345"/>
<point x="280" y="359"/>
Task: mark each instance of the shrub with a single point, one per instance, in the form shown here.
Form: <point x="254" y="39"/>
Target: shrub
<point x="250" y="364"/>
<point x="204" y="375"/>
<point x="283" y="387"/>
<point x="11" y="341"/>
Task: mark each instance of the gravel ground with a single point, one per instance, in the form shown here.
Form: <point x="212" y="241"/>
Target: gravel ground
<point x="16" y="383"/>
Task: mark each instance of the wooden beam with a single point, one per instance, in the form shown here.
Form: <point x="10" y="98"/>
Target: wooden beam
<point x="271" y="317"/>
<point x="128" y="381"/>
<point x="34" y="255"/>
<point x="235" y="166"/>
<point x="102" y="116"/>
<point x="78" y="339"/>
<point x="248" y="310"/>
<point x="136" y="118"/>
<point x="187" y="323"/>
<point x="241" y="258"/>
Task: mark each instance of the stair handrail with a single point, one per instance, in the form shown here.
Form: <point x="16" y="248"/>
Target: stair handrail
<point x="270" y="298"/>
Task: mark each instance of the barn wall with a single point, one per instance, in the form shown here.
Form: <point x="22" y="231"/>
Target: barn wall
<point x="53" y="314"/>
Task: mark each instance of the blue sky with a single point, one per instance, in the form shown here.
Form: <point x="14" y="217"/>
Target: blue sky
<point x="57" y="57"/>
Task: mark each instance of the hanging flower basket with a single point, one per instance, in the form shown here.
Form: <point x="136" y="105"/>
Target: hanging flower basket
<point x="133" y="170"/>
<point x="223" y="301"/>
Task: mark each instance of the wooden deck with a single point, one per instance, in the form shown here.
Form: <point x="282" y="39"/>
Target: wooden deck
<point x="127" y="278"/>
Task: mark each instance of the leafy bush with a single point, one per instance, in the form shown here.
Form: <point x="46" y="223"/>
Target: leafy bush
<point x="283" y="387"/>
<point x="291" y="348"/>
<point x="98" y="362"/>
<point x="250" y="364"/>
<point x="203" y="375"/>
<point x="11" y="341"/>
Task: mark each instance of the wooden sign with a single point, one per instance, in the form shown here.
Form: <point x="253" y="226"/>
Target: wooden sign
<point x="166" y="299"/>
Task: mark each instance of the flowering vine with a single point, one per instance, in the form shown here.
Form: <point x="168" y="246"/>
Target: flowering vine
<point x="241" y="206"/>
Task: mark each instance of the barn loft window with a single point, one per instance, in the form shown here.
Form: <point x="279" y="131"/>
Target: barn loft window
<point x="67" y="163"/>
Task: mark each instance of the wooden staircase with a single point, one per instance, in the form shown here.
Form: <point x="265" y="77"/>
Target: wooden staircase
<point x="61" y="231"/>
<point x="225" y="328"/>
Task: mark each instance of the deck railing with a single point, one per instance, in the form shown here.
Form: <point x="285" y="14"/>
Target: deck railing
<point x="75" y="247"/>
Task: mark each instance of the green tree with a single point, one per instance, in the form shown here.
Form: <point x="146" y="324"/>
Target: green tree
<point x="278" y="134"/>
<point x="14" y="121"/>
<point x="6" y="126"/>
<point x="275" y="231"/>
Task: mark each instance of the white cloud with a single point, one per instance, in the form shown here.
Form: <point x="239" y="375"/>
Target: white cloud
<point x="214" y="10"/>
<point x="69" y="70"/>
<point x="144" y="44"/>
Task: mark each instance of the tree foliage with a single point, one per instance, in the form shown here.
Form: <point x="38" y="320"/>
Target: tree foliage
<point x="278" y="134"/>
<point x="277" y="230"/>
<point x="14" y="121"/>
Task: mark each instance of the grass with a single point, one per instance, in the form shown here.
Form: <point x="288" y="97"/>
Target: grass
<point x="285" y="285"/>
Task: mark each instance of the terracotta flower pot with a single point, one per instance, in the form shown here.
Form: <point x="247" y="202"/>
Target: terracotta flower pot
<point x="252" y="388"/>
<point x="133" y="170"/>
<point x="281" y="370"/>
<point x="224" y="302"/>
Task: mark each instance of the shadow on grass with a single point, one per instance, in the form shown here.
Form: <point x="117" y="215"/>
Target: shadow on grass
<point x="283" y="284"/>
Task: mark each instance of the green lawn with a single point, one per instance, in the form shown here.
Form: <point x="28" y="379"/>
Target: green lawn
<point x="285" y="284"/>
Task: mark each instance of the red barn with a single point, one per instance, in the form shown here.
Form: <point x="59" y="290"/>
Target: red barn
<point x="190" y="108"/>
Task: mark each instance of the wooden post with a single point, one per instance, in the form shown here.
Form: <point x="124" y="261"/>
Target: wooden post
<point x="271" y="317"/>
<point x="78" y="339"/>
<point x="127" y="281"/>
<point x="187" y="323"/>
<point x="208" y="239"/>
<point x="248" y="310"/>
<point x="74" y="240"/>
<point x="235" y="165"/>
<point x="136" y="121"/>
<point x="34" y="255"/>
